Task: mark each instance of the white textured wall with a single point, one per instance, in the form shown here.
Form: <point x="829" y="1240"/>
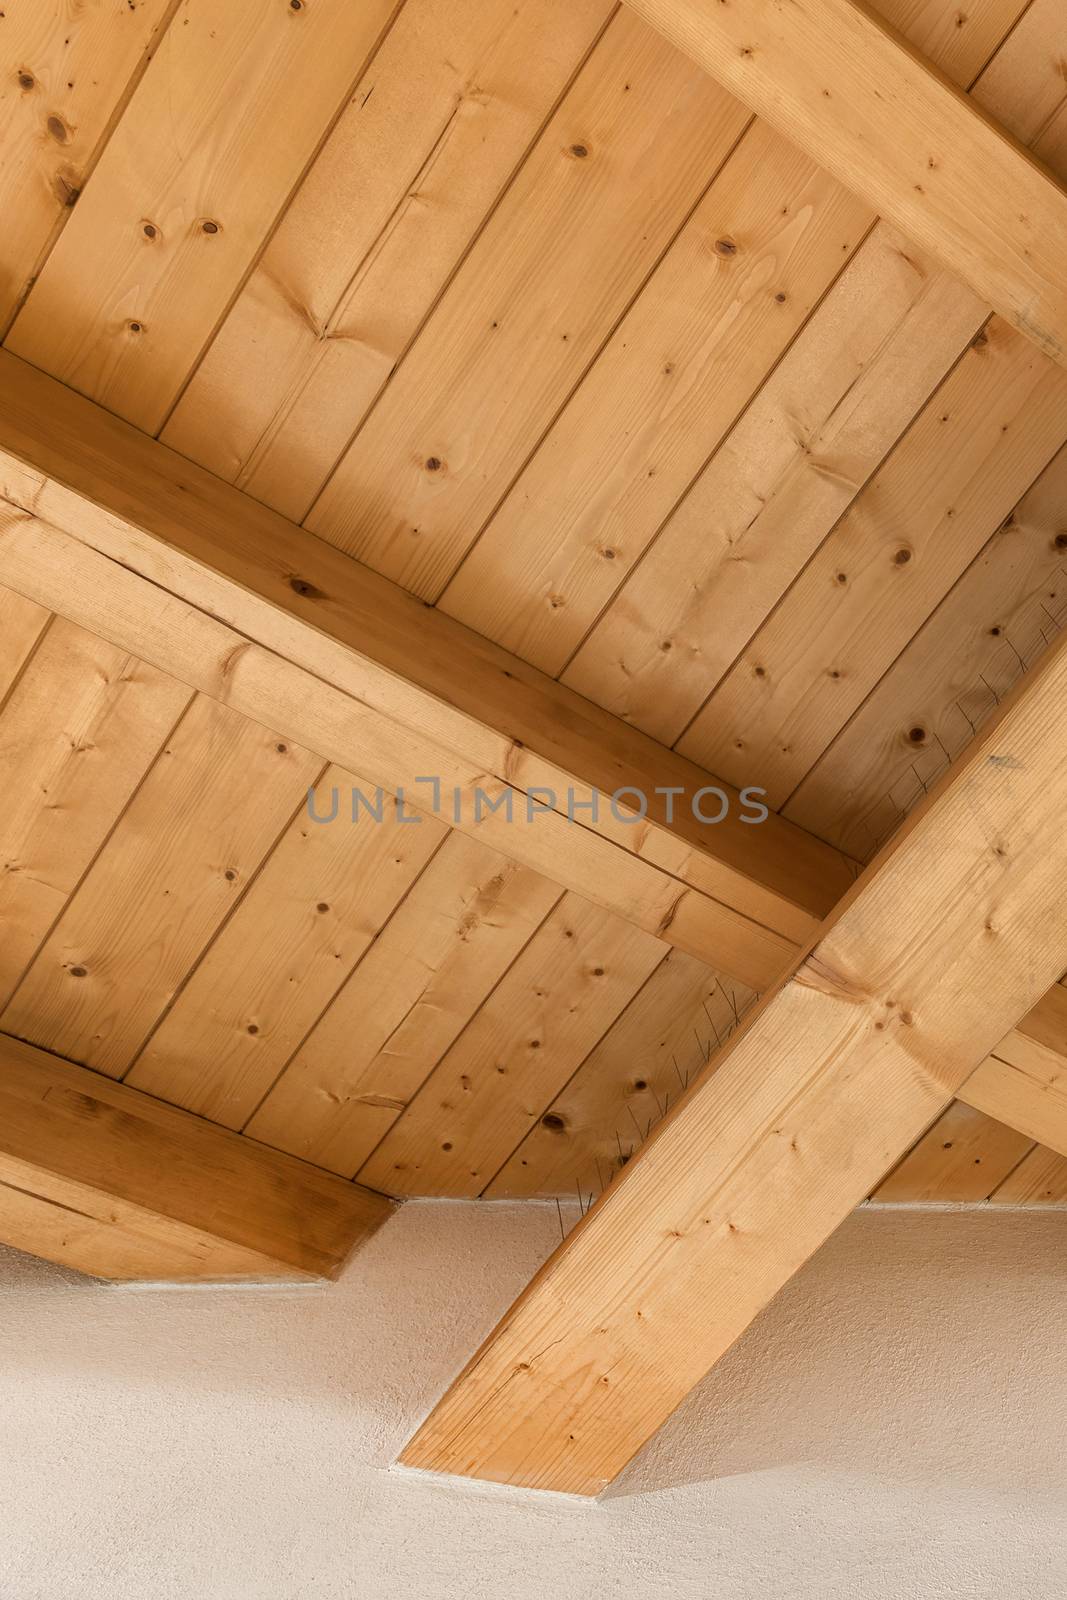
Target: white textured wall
<point x="894" y="1427"/>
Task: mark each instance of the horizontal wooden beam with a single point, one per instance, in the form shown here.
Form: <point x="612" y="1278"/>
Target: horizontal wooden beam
<point x="951" y="935"/>
<point x="109" y="528"/>
<point x="857" y="98"/>
<point x="1024" y="1081"/>
<point x="96" y="1176"/>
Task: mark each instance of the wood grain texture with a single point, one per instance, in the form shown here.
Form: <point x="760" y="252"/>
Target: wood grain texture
<point x="885" y="337"/>
<point x="98" y="1177"/>
<point x="562" y="994"/>
<point x="613" y="177"/>
<point x="432" y="134"/>
<point x="763" y="245"/>
<point x="966" y="461"/>
<point x="943" y="944"/>
<point x="318" y="902"/>
<point x="1025" y="88"/>
<point x="852" y="94"/>
<point x="625" y="1087"/>
<point x="22" y="626"/>
<point x="293" y="633"/>
<point x="1040" y="1180"/>
<point x="1024" y="1081"/>
<point x="453" y="938"/>
<point x="66" y="72"/>
<point x="78" y="734"/>
<point x="960" y="1160"/>
<point x="996" y="620"/>
<point x="211" y="807"/>
<point x="766" y="242"/>
<point x="233" y="105"/>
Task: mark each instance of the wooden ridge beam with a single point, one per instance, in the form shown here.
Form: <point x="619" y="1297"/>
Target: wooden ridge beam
<point x="1023" y="1083"/>
<point x="102" y="1178"/>
<point x="116" y="532"/>
<point x="857" y="98"/>
<point x="950" y="936"/>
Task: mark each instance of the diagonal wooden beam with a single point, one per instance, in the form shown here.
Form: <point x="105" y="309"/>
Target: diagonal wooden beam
<point x="99" y="1177"/>
<point x="951" y="935"/>
<point x="856" y="97"/>
<point x="1024" y="1081"/>
<point x="111" y="529"/>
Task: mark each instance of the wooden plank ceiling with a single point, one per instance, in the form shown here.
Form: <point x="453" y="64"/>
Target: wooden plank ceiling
<point x="531" y="316"/>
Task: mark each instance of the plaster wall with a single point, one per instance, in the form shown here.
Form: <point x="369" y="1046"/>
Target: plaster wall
<point x="893" y="1426"/>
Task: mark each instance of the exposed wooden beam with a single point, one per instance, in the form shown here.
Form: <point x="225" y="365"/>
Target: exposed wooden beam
<point x="1024" y="1081"/>
<point x="855" y="96"/>
<point x="111" y="529"/>
<point x="951" y="935"/>
<point x="99" y="1177"/>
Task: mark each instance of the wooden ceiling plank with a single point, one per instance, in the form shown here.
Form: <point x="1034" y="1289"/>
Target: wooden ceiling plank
<point x="765" y="244"/>
<point x="613" y="177"/>
<point x="430" y="138"/>
<point x="991" y="625"/>
<point x="98" y="1177"/>
<point x="625" y="1087"/>
<point x="852" y="94"/>
<point x="967" y="460"/>
<point x="1040" y="1180"/>
<point x="882" y="341"/>
<point x="574" y="978"/>
<point x="81" y="729"/>
<point x="180" y="857"/>
<point x="103" y="594"/>
<point x="66" y="74"/>
<point x="22" y="626"/>
<point x="848" y="389"/>
<point x="1024" y="86"/>
<point x="465" y="922"/>
<point x="945" y="942"/>
<point x="959" y="1161"/>
<point x="108" y="524"/>
<point x="1024" y="1081"/>
<point x="316" y="905"/>
<point x="218" y="132"/>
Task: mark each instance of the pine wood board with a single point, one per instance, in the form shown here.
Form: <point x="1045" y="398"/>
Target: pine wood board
<point x="77" y="736"/>
<point x="880" y="344"/>
<point x="428" y="142"/>
<point x="626" y="1085"/>
<point x="210" y="808"/>
<point x="464" y="923"/>
<point x="830" y="75"/>
<point x="961" y="1159"/>
<point x="970" y="456"/>
<point x="1039" y="1180"/>
<point x="100" y="1178"/>
<point x="765" y="244"/>
<point x="558" y="999"/>
<point x="218" y="132"/>
<point x="317" y="904"/>
<point x="344" y="662"/>
<point x="613" y="177"/>
<point x="1000" y="616"/>
<point x="66" y="75"/>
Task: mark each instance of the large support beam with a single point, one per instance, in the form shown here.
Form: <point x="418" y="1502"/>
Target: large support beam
<point x="99" y="1177"/>
<point x="951" y="935"/>
<point x="1024" y="1081"/>
<point x="109" y="528"/>
<point x="858" y="99"/>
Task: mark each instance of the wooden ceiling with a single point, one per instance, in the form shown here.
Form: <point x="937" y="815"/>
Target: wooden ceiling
<point x="524" y="311"/>
<point x="450" y="392"/>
